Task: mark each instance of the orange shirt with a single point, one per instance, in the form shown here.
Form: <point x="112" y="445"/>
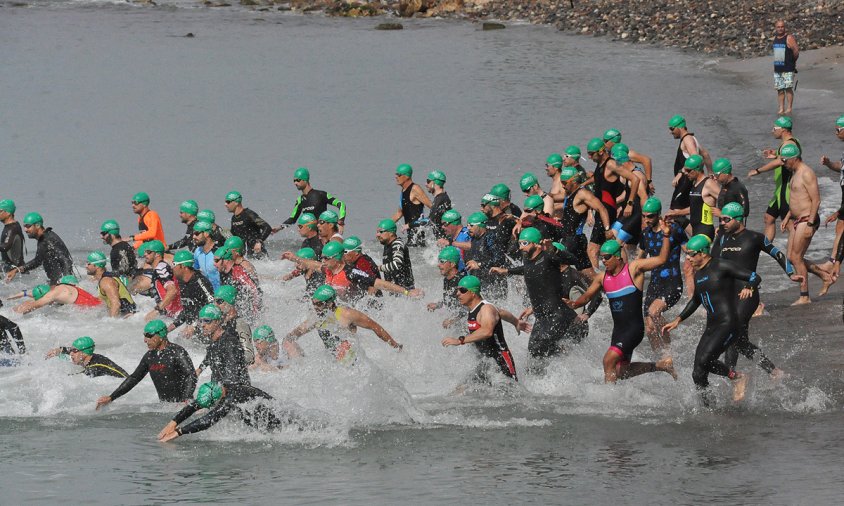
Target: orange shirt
<point x="150" y="228"/>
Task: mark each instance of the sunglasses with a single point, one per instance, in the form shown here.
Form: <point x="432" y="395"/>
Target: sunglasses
<point x="692" y="254"/>
<point x="650" y="216"/>
<point x="525" y="243"/>
<point x="451" y="223"/>
<point x="726" y="219"/>
<point x="838" y="130"/>
<point x="149" y="336"/>
<point x="217" y="259"/>
<point x="526" y="191"/>
<point x="379" y="231"/>
<point x="136" y="203"/>
<point x="230" y="201"/>
<point x="206" y="321"/>
<point x="220" y="301"/>
<point x="198" y="233"/>
<point x="461" y="290"/>
<point x="28" y="225"/>
<point x="607" y="258"/>
<point x="298" y="180"/>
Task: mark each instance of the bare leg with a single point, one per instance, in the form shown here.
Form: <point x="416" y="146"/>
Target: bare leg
<point x="781" y="101"/>
<point x="770" y="226"/>
<point x="789" y="101"/>
<point x="798" y="243"/>
<point x="592" y="250"/>
<point x="688" y="277"/>
<point x="611" y="360"/>
<point x="653" y="326"/>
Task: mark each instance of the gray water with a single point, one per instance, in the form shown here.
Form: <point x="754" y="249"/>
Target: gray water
<point x="100" y="101"/>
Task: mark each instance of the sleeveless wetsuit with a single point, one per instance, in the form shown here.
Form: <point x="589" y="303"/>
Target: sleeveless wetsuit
<point x="413" y="217"/>
<point x="574" y="239"/>
<point x="494" y="347"/>
<point x="607" y="192"/>
<point x="680" y="197"/>
<point x="127" y="303"/>
<point x="667" y="279"/>
<point x="700" y="214"/>
<point x="625" y="305"/>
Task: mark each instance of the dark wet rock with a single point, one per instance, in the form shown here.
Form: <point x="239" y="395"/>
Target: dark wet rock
<point x="189" y="35"/>
<point x="390" y="26"/>
<point x="492" y="26"/>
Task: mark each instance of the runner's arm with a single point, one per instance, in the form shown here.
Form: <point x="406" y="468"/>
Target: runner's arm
<point x="133" y="379"/>
<point x="339" y="204"/>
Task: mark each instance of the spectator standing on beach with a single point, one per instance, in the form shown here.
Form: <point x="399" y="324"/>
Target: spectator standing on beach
<point x="786" y="53"/>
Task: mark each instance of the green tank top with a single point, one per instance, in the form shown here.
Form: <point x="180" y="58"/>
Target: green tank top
<point x="127" y="303"/>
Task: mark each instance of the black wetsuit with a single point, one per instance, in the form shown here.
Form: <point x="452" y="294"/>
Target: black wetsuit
<point x="315" y="243"/>
<point x="195" y="293"/>
<point x="413" y="215"/>
<point x="226" y="360"/>
<point x="439" y="206"/>
<point x="574" y="239"/>
<point x="395" y="264"/>
<point x="186" y="241"/>
<point x="450" y="302"/>
<point x="252" y="229"/>
<point x="258" y="415"/>
<point x="501" y="228"/>
<point x="700" y="214"/>
<point x="716" y="288"/>
<point x="11" y="246"/>
<point x="487" y="253"/>
<point x="667" y="279"/>
<point x="219" y="236"/>
<point x="124" y="261"/>
<point x="315" y="202"/>
<point x="607" y="192"/>
<point x="547" y="226"/>
<point x="544" y="283"/>
<point x="571" y="278"/>
<point x="100" y="365"/>
<point x="734" y="191"/>
<point x="743" y="249"/>
<point x="10" y="329"/>
<point x="171" y="370"/>
<point x="494" y="347"/>
<point x="53" y="255"/>
<point x="680" y="196"/>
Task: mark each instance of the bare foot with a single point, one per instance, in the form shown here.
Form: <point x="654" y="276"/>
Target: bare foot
<point x="759" y="310"/>
<point x="828" y="280"/>
<point x="780" y="112"/>
<point x="787" y="112"/>
<point x="777" y="374"/>
<point x="801" y="301"/>
<point x="739" y="387"/>
<point x="667" y="364"/>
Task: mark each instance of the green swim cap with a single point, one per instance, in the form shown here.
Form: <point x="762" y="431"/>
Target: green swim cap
<point x="387" y="225"/>
<point x="352" y="243"/>
<point x="554" y="160"/>
<point x="210" y="312"/>
<point x="437" y="176"/>
<point x="568" y="173"/>
<point x="208" y="394"/>
<point x="223" y="253"/>
<point x="155" y="246"/>
<point x="202" y="226"/>
<point x="40" y="291"/>
<point x="620" y="153"/>
<point x="110" y="227"/>
<point x="84" y="344"/>
<point x="840" y="121"/>
<point x="528" y="181"/>
<point x="534" y="203"/>
<point x="8" y="205"/>
<point x="479" y="219"/>
<point x="677" y="121"/>
<point x="264" y="333"/>
<point x="307" y="219"/>
<point x="470" y="283"/>
<point x="531" y="235"/>
<point x="140" y="198"/>
<point x="70" y="279"/>
<point x="573" y="151"/>
<point x="404" y="170"/>
<point x="306" y="253"/>
<point x="96" y="258"/>
<point x="699" y="243"/>
<point x="234" y="196"/>
<point x="490" y="200"/>
<point x="596" y="144"/>
<point x="189" y="207"/>
<point x="451" y="217"/>
<point x="329" y="216"/>
<point x="206" y="215"/>
<point x="142" y="249"/>
<point x="733" y="210"/>
<point x="234" y="243"/>
<point x="226" y="292"/>
<point x="722" y="166"/>
<point x="789" y="151"/>
<point x="302" y="173"/>
<point x="449" y="254"/>
<point x="324" y="293"/>
<point x="784" y="122"/>
<point x="560" y="246"/>
<point x="612" y="135"/>
<point x="156" y="327"/>
<point x="694" y="162"/>
<point x="183" y="257"/>
<point x="33" y="219"/>
<point x="501" y="191"/>
<point x="611" y="247"/>
<point x="652" y="205"/>
<point x="332" y="249"/>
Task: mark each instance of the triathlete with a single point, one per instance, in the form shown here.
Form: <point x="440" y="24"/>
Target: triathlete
<point x="533" y="216"/>
<point x="218" y="233"/>
<point x="307" y="224"/>
<point x="164" y="284"/>
<point x="51" y="253"/>
<point x="225" y="298"/>
<point x="703" y="196"/>
<point x="484" y="255"/>
<point x="779" y="204"/>
<point x="553" y="167"/>
<point x="612" y="137"/>
<point x="237" y="248"/>
<point x="328" y="226"/>
<point x="530" y="187"/>
<point x="628" y="229"/>
<point x="573" y="283"/>
<point x="455" y="234"/>
<point x="9" y="331"/>
<point x="502" y="191"/>
<point x="224" y="355"/>
<point x="112" y="289"/>
<point x="64" y="293"/>
<point x="11" y="239"/>
<point x="666" y="284"/>
<point x="313" y="277"/>
<point x="622" y="282"/>
<point x="81" y="353"/>
<point x="187" y="215"/>
<point x="149" y="223"/>
<point x="334" y="324"/>
<point x="687" y="147"/>
<point x="576" y="206"/>
<point x="717" y="284"/>
<point x="268" y="353"/>
<point x="311" y="200"/>
<point x="732" y="190"/>
<point x="741" y="246"/>
<point x="168" y="364"/>
<point x="435" y="184"/>
<point x="837" y="216"/>
<point x="124" y="262"/>
<point x="571" y="158"/>
<point x="500" y="224"/>
<point x="250" y="297"/>
<point x="247" y="225"/>
<point x="195" y="291"/>
<point x="412" y="204"/>
<point x="395" y="260"/>
<point x="448" y="262"/>
<point x="203" y="253"/>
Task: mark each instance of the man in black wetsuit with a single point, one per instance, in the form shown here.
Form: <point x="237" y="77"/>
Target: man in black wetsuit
<point x="534" y="217"/>
<point x="247" y="225"/>
<point x="435" y="185"/>
<point x="124" y="262"/>
<point x="577" y="204"/>
<point x="81" y="353"/>
<point x="9" y="331"/>
<point x="168" y="364"/>
<point x="500" y="224"/>
<point x="502" y="191"/>
<point x="448" y="265"/>
<point x="307" y="224"/>
<point x="187" y="214"/>
<point x="741" y="246"/>
<point x="485" y="254"/>
<point x="717" y="284"/>
<point x="312" y="200"/>
<point x="222" y="400"/>
<point x="51" y="253"/>
<point x="413" y="203"/>
<point x="225" y="354"/>
<point x="395" y="261"/>
<point x="195" y="292"/>
<point x="11" y="239"/>
<point x="732" y="190"/>
<point x="687" y="147"/>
